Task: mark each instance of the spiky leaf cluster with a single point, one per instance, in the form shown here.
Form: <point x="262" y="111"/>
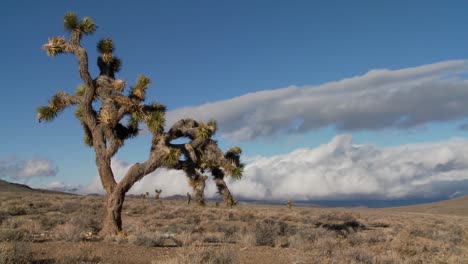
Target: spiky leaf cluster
<point x="87" y="26"/>
<point x="56" y="45"/>
<point x="139" y="90"/>
<point x="171" y="159"/>
<point x="80" y="89"/>
<point x="105" y="46"/>
<point x="46" y="113"/>
<point x="115" y="64"/>
<point x="155" y="121"/>
<point x="236" y="172"/>
<point x="233" y="155"/>
<point x="71" y="23"/>
<point x="207" y="130"/>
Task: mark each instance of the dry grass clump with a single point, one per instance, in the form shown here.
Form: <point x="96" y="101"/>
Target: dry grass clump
<point x="200" y="254"/>
<point x="15" y="253"/>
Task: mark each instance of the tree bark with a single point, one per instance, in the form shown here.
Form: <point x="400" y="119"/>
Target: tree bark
<point x="224" y="191"/>
<point x="113" y="219"/>
<point x="199" y="189"/>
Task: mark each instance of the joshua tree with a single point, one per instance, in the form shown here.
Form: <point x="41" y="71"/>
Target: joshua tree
<point x="109" y="117"/>
<point x="189" y="198"/>
<point x="290" y="204"/>
<point x="157" y="194"/>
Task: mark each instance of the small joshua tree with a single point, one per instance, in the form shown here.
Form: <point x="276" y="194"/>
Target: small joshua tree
<point x="290" y="204"/>
<point x="189" y="198"/>
<point x="110" y="116"/>
<point x="157" y="193"/>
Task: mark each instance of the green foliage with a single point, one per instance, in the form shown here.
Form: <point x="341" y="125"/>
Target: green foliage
<point x="80" y="89"/>
<point x="116" y="64"/>
<point x="171" y="159"/>
<point x="155" y="121"/>
<point x="143" y="82"/>
<point x="236" y="172"/>
<point x="105" y="46"/>
<point x="46" y="113"/>
<point x="56" y="45"/>
<point x="139" y="90"/>
<point x="235" y="150"/>
<point x="87" y="26"/>
<point x="212" y="125"/>
<point x="233" y="155"/>
<point x="70" y="21"/>
<point x="79" y="113"/>
<point x="204" y="131"/>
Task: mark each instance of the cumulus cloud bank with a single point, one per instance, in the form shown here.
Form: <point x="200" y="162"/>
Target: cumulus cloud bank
<point x="14" y="168"/>
<point x="338" y="169"/>
<point x="378" y="99"/>
<point x="172" y="182"/>
<point x="341" y="169"/>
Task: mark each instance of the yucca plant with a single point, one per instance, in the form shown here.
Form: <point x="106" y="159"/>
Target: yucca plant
<point x="119" y="118"/>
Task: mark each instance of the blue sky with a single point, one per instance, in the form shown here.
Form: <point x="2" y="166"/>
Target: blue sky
<point x="200" y="52"/>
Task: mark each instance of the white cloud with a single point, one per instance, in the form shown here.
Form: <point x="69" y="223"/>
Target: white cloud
<point x="172" y="182"/>
<point x="24" y="169"/>
<point x="378" y="99"/>
<point x="336" y="170"/>
<point x="341" y="169"/>
<point x="61" y="187"/>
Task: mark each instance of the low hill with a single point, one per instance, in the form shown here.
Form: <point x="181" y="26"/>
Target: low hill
<point x="14" y="187"/>
<point x="457" y="206"/>
<point x="6" y="186"/>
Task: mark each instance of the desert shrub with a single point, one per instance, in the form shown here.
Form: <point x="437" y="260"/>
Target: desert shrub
<point x="203" y="255"/>
<point x="166" y="215"/>
<point x="15" y="253"/>
<point x="192" y="220"/>
<point x="344" y="228"/>
<point x="13" y="223"/>
<point x="50" y="221"/>
<point x="213" y="238"/>
<point x="69" y="232"/>
<point x="14" y="210"/>
<point x="247" y="217"/>
<point x="153" y="240"/>
<point x="353" y="255"/>
<point x="146" y="240"/>
<point x="68" y="207"/>
<point x="335" y="216"/>
<point x="87" y="219"/>
<point x="12" y="235"/>
<point x="3" y="216"/>
<point x="82" y="222"/>
<point x="266" y="233"/>
<point x="193" y="229"/>
<point x="306" y="237"/>
<point x="229" y="231"/>
<point x="379" y="224"/>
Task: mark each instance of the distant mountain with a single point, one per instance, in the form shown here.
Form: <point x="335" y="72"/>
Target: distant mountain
<point x="6" y="186"/>
<point x="456" y="206"/>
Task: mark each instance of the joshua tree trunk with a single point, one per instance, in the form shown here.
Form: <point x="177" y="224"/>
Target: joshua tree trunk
<point x="113" y="219"/>
<point x="199" y="190"/>
<point x="224" y="191"/>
